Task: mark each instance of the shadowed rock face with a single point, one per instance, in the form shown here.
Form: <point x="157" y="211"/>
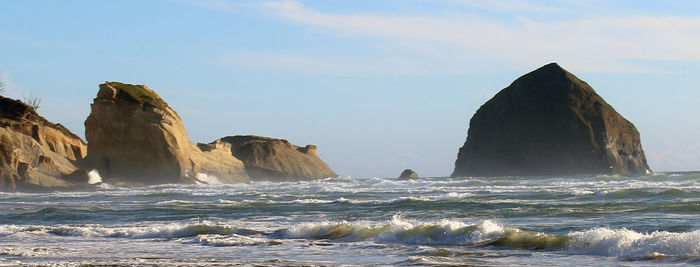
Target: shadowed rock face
<point x="276" y="159"/>
<point x="135" y="137"/>
<point x="35" y="154"/>
<point x="548" y="122"/>
<point x="408" y="174"/>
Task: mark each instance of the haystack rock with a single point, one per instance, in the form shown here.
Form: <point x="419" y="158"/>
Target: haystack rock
<point x="36" y="154"/>
<point x="277" y="159"/>
<point x="135" y="137"/>
<point x="548" y="122"/>
<point x="408" y="174"/>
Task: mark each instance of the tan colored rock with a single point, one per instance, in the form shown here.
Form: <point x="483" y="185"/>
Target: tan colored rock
<point x="27" y="165"/>
<point x="215" y="160"/>
<point x="35" y="154"/>
<point x="21" y="118"/>
<point x="277" y="159"/>
<point x="134" y="136"/>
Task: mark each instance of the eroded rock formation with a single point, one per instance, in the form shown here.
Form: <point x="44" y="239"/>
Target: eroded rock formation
<point x="134" y="136"/>
<point x="277" y="159"/>
<point x="549" y="122"/>
<point x="35" y="154"/>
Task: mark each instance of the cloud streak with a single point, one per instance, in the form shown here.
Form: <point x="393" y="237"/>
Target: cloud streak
<point x="601" y="44"/>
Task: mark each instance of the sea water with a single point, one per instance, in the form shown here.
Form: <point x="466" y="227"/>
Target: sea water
<point x="506" y="221"/>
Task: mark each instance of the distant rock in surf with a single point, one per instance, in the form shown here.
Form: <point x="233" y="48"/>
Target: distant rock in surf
<point x="135" y="137"/>
<point x="35" y="154"/>
<point x="273" y="159"/>
<point x="408" y="174"/>
<point x="548" y="122"/>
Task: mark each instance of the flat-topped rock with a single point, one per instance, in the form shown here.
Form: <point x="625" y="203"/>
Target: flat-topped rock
<point x="273" y="159"/>
<point x="549" y="122"/>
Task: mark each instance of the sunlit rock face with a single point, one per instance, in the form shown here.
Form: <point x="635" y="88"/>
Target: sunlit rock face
<point x="135" y="137"/>
<point x="549" y="122"/>
<point x="274" y="159"/>
<point x="35" y="154"/>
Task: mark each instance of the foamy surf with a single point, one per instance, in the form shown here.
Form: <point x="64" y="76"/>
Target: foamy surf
<point x="399" y="230"/>
<point x="448" y="221"/>
<point x="597" y="241"/>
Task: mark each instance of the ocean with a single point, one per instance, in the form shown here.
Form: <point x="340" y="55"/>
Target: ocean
<point x="650" y="220"/>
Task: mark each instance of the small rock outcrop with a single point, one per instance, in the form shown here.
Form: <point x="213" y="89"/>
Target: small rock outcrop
<point x="135" y="137"/>
<point x="549" y="122"/>
<point x="35" y="154"/>
<point x="408" y="174"/>
<point x="277" y="159"/>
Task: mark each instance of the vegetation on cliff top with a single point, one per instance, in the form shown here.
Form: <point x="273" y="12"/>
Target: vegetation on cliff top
<point x="139" y="94"/>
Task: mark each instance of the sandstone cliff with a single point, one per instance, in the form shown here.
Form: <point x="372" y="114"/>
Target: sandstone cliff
<point x="34" y="153"/>
<point x="548" y="122"/>
<point x="134" y="136"/>
<point x="276" y="159"/>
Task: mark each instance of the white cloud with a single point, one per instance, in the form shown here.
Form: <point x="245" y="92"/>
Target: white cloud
<point x="509" y="5"/>
<point x="605" y="44"/>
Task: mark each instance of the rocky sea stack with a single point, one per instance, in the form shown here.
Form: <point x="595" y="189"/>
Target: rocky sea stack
<point x="274" y="159"/>
<point x="408" y="174"/>
<point x="135" y="137"/>
<point x="549" y="122"/>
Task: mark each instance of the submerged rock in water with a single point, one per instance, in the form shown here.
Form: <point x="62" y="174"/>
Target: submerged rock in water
<point x="548" y="122"/>
<point x="277" y="159"/>
<point x="408" y="174"/>
<point x="35" y="154"/>
<point x="135" y="137"/>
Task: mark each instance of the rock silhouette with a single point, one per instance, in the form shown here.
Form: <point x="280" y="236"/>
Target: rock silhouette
<point x="549" y="122"/>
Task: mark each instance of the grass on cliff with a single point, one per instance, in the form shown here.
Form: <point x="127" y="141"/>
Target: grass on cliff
<point x="139" y="94"/>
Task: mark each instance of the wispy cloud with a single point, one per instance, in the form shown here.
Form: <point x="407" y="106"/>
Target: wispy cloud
<point x="509" y="6"/>
<point x="586" y="41"/>
<point x="606" y="44"/>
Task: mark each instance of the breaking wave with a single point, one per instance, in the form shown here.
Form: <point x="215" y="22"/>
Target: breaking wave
<point x="596" y="241"/>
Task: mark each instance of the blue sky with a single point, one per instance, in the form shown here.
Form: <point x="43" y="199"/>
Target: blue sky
<point x="379" y="86"/>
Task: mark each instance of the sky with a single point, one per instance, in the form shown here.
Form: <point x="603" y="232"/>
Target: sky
<point x="378" y="85"/>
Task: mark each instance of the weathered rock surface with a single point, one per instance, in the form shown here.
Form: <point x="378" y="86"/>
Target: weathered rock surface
<point x="134" y="136"/>
<point x="21" y="118"/>
<point x="548" y="122"/>
<point x="277" y="159"/>
<point x="34" y="153"/>
<point x="408" y="174"/>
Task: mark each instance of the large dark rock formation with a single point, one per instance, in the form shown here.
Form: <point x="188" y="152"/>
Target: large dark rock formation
<point x="35" y="154"/>
<point x="135" y="137"/>
<point x="548" y="122"/>
<point x="277" y="159"/>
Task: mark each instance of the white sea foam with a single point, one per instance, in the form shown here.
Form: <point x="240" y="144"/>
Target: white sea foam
<point x="628" y="243"/>
<point x="172" y="230"/>
<point x="229" y="240"/>
<point x="209" y="179"/>
<point x="94" y="177"/>
<point x="26" y="252"/>
<point x="398" y="230"/>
